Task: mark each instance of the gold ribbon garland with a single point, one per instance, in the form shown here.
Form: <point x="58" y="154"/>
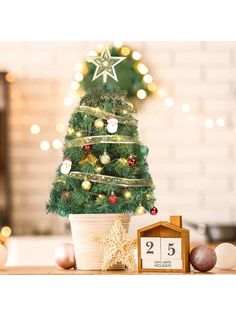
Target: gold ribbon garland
<point x="108" y="179"/>
<point x="109" y="139"/>
<point x="106" y="115"/>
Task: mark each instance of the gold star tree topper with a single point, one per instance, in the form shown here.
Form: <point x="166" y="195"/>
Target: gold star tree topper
<point x="105" y="65"/>
<point x="118" y="247"/>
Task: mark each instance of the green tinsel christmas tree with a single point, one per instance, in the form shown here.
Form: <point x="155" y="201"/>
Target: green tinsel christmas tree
<point x="104" y="168"/>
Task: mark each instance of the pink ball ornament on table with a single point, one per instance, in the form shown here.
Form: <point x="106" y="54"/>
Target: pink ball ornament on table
<point x="65" y="256"/>
<point x="203" y="258"/>
<point x="226" y="256"/>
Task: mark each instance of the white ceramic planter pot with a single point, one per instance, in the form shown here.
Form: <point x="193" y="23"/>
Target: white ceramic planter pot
<point x="88" y="255"/>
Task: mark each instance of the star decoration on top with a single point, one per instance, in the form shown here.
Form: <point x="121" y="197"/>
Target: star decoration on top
<point x="118" y="247"/>
<point x="105" y="65"/>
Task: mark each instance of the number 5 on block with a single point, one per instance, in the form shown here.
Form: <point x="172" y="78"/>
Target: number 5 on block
<point x="171" y="248"/>
<point x="151" y="247"/>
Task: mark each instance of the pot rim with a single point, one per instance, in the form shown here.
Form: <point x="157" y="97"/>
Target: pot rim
<point x="92" y="217"/>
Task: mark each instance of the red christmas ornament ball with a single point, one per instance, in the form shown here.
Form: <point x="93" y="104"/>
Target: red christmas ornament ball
<point x="132" y="161"/>
<point x="87" y="148"/>
<point x="112" y="199"/>
<point x="154" y="211"/>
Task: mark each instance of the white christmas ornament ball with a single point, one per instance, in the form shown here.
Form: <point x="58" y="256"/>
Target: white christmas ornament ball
<point x="105" y="158"/>
<point x="112" y="125"/>
<point x="3" y="256"/>
<point x="226" y="256"/>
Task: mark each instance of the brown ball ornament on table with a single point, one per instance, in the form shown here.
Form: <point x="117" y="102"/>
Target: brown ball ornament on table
<point x="65" y="256"/>
<point x="203" y="258"/>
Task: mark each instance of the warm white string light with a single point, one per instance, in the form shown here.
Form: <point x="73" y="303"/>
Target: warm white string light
<point x="169" y="102"/>
<point x="35" y="129"/>
<point x="57" y="144"/>
<point x="185" y="107"/>
<point x="44" y="145"/>
<point x="209" y="123"/>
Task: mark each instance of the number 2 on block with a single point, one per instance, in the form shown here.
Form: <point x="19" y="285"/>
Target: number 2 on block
<point x="151" y="247"/>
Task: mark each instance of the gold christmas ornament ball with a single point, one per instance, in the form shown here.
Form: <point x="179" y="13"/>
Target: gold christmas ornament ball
<point x="79" y="134"/>
<point x="105" y="158"/>
<point x="98" y="169"/>
<point x="140" y="210"/>
<point x="127" y="195"/>
<point x="148" y="196"/>
<point x="100" y="197"/>
<point x="86" y="185"/>
<point x="123" y="161"/>
<point x="99" y="124"/>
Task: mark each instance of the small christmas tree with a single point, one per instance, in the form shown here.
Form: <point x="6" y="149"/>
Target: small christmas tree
<point x="104" y="168"/>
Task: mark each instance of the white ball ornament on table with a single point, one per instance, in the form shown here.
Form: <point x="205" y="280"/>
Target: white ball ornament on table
<point x="112" y="125"/>
<point x="66" y="166"/>
<point x="226" y="256"/>
<point x="3" y="256"/>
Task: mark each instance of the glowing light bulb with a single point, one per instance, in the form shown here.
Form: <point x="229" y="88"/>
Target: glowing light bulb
<point x="60" y="127"/>
<point x="92" y="53"/>
<point x="100" y="47"/>
<point x="141" y="94"/>
<point x="136" y="55"/>
<point x="220" y="122"/>
<point x="118" y="44"/>
<point x="10" y="78"/>
<point x="74" y="85"/>
<point x="57" y="144"/>
<point x="142" y="68"/>
<point x="45" y="145"/>
<point x="169" y="102"/>
<point x="125" y="51"/>
<point x="152" y="87"/>
<point x="209" y="123"/>
<point x="35" y="129"/>
<point x="185" y="107"/>
<point x="161" y="92"/>
<point x="68" y="101"/>
<point x="6" y="231"/>
<point x="79" y="67"/>
<point x="78" y="76"/>
<point x="70" y="131"/>
<point x="147" y="78"/>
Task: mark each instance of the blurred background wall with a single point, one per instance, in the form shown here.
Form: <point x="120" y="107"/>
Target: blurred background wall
<point x="192" y="164"/>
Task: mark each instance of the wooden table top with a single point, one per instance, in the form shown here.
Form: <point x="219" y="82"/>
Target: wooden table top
<point x="54" y="270"/>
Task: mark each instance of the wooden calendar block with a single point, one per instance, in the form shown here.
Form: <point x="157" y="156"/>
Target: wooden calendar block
<point x="164" y="247"/>
<point x="151" y="248"/>
<point x="171" y="248"/>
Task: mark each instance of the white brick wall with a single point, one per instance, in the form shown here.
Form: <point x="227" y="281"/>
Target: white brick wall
<point x="193" y="168"/>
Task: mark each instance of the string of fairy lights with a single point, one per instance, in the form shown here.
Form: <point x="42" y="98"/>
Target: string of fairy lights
<point x="156" y="90"/>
